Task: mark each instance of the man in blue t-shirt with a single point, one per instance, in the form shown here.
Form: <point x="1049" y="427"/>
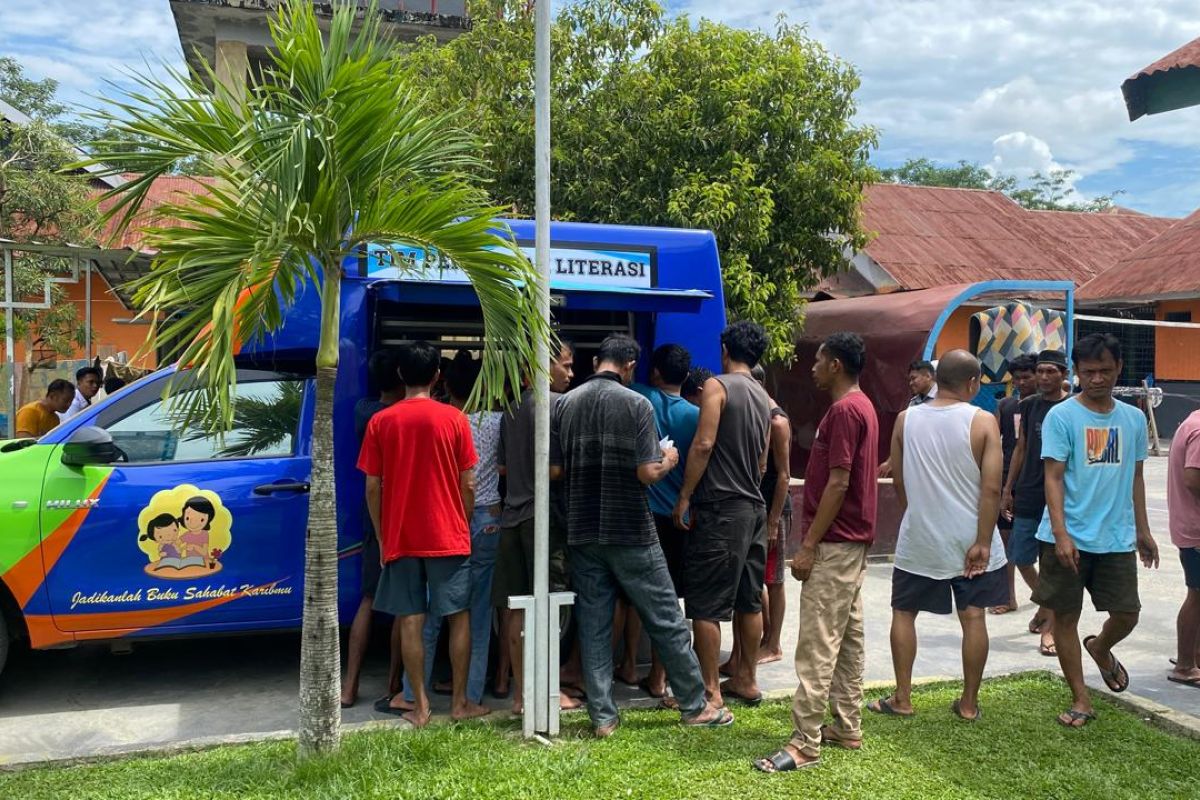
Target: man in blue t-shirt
<point x="675" y="419"/>
<point x="1095" y="524"/>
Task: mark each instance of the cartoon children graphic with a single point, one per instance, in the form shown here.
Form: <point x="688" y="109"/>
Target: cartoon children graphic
<point x="184" y="533"/>
<point x="196" y="521"/>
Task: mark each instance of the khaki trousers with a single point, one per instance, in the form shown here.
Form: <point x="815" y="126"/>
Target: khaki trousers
<point x="830" y="654"/>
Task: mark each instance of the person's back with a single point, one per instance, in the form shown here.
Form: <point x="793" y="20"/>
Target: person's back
<point x="734" y="467"/>
<point x="604" y="431"/>
<point x="942" y="482"/>
<point x="516" y="456"/>
<point x="676" y="419"/>
<point x="423" y="447"/>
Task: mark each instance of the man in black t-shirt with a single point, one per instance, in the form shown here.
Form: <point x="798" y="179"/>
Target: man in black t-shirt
<point x="604" y="442"/>
<point x="1024" y="498"/>
<point x="1024" y="384"/>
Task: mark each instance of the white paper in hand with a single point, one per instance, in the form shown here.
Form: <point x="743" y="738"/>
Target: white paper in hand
<point x="665" y="442"/>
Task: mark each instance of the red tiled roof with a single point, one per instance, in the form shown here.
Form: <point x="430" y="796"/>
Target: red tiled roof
<point x="930" y="236"/>
<point x="1186" y="56"/>
<point x="1168" y="265"/>
<point x="166" y="188"/>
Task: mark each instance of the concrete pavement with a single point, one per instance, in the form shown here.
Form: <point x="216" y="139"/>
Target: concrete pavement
<point x="90" y="701"/>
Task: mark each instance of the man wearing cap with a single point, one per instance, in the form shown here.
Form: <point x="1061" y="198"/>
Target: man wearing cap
<point x="1024" y="498"/>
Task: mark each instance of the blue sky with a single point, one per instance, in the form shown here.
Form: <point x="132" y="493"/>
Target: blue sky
<point x="1018" y="85"/>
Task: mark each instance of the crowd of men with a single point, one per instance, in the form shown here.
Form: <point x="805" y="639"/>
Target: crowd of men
<point x="62" y="401"/>
<point x="678" y="490"/>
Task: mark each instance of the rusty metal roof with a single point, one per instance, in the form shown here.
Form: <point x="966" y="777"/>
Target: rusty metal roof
<point x="1165" y="267"/>
<point x="166" y="188"/>
<point x="1170" y="83"/>
<point x="930" y="236"/>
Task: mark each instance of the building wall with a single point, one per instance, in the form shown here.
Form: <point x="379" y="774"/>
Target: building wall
<point x="956" y="333"/>
<point x="1177" y="350"/>
<point x="109" y="336"/>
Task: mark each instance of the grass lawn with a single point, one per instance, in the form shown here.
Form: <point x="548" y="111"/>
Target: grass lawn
<point x="1015" y="751"/>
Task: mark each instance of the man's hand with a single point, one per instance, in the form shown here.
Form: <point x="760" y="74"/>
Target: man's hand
<point x="670" y="457"/>
<point x="773" y="526"/>
<point x="885" y="470"/>
<point x="1006" y="504"/>
<point x="803" y="561"/>
<point x="1148" y="549"/>
<point x="681" y="512"/>
<point x="1068" y="555"/>
<point x="977" y="560"/>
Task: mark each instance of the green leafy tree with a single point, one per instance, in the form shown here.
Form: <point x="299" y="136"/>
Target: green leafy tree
<point x="39" y="202"/>
<point x="660" y="121"/>
<point x="1042" y="192"/>
<point x="329" y="149"/>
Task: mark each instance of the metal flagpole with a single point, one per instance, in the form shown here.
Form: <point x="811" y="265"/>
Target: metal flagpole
<point x="539" y="709"/>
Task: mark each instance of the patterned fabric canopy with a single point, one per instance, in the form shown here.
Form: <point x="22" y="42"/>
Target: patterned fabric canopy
<point x="1005" y="332"/>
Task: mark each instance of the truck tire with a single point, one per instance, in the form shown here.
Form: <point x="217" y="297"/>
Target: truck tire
<point x="5" y="642"/>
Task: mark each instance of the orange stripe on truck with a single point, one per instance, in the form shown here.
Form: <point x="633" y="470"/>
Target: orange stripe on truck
<point x="25" y="577"/>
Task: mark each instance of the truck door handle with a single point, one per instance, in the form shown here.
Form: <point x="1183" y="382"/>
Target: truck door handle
<point x="270" y="488"/>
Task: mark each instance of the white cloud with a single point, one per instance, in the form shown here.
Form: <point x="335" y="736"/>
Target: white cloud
<point x="1021" y="155"/>
<point x="948" y="78"/>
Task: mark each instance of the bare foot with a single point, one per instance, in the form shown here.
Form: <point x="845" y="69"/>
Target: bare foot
<point x="1190" y="677"/>
<point x="997" y="610"/>
<point x="627" y="675"/>
<point x="572" y="691"/>
<point x="729" y="668"/>
<point x="416" y="718"/>
<point x="469" y="711"/>
<point x="349" y="695"/>
<point x="769" y="656"/>
<point x="398" y="701"/>
<point x="518" y="708"/>
<point x="567" y="702"/>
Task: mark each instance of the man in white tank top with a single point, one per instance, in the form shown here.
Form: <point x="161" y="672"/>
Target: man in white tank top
<point x="947" y="462"/>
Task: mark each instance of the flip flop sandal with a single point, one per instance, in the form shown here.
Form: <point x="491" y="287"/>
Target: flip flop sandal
<point x="1075" y="716"/>
<point x="723" y="719"/>
<point x="644" y="685"/>
<point x="1112" y="675"/>
<point x="781" y="761"/>
<point x="957" y="709"/>
<point x="1049" y="651"/>
<point x="1195" y="682"/>
<point x="668" y="704"/>
<point x="882" y="706"/>
<point x="746" y="700"/>
<point x="383" y="706"/>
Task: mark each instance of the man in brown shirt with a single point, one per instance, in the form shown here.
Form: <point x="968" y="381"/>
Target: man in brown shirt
<point x="725" y="555"/>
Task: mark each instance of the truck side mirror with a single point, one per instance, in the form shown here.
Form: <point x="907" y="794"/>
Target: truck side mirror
<point x="90" y="445"/>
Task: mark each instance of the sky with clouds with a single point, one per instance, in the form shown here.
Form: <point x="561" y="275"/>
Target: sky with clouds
<point x="1019" y="85"/>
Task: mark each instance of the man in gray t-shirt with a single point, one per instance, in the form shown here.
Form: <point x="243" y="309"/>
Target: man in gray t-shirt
<point x="513" y="574"/>
<point x="725" y="555"/>
<point x="604" y="442"/>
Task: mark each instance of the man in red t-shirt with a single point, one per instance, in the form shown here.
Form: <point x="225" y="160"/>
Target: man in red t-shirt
<point x="838" y="521"/>
<point x="419" y="461"/>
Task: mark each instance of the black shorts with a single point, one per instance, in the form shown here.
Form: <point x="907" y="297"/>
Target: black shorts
<point x="672" y="541"/>
<point x="1110" y="578"/>
<point x="725" y="560"/>
<point x="1190" y="558"/>
<point x="513" y="575"/>
<point x="371" y="568"/>
<point x="918" y="593"/>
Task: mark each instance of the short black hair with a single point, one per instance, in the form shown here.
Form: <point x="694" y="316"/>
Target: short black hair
<point x="60" y="385"/>
<point x="619" y="349"/>
<point x="461" y="374"/>
<point x="921" y="365"/>
<point x="1092" y="347"/>
<point x="848" y="348"/>
<point x="745" y="341"/>
<point x="695" y="381"/>
<point x="384" y="370"/>
<point x="82" y="371"/>
<point x="419" y="363"/>
<point x="1026" y="362"/>
<point x="672" y="362"/>
<point x="567" y="343"/>
<point x="113" y="384"/>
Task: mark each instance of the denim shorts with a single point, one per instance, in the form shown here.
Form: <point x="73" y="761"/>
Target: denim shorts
<point x="1023" y="547"/>
<point x="436" y="586"/>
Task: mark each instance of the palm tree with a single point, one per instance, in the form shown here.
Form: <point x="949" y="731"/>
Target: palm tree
<point x="326" y="150"/>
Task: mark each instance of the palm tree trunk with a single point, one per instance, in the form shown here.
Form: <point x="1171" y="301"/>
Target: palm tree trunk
<point x="320" y="659"/>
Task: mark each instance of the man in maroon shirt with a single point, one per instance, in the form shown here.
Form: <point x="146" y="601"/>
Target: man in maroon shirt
<point x="838" y="521"/>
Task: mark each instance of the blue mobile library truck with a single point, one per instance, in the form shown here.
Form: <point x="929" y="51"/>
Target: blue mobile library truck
<point x="187" y="534"/>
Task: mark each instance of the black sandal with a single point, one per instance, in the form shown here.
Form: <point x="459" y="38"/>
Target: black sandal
<point x="782" y="761"/>
<point x="1116" y="677"/>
